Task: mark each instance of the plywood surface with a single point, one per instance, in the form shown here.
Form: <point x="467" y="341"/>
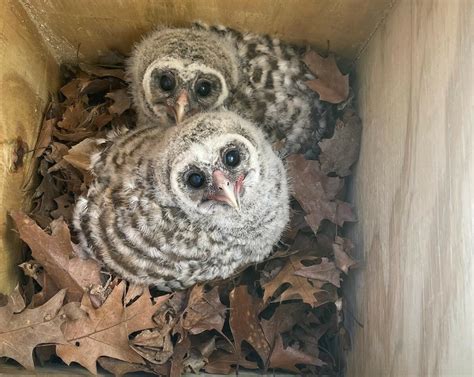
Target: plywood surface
<point x="414" y="191"/>
<point x="27" y="71"/>
<point x="96" y="26"/>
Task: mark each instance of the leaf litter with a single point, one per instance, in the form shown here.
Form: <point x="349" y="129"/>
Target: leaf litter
<point x="278" y="315"/>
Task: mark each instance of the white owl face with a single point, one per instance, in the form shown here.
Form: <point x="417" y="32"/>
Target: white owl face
<point x="217" y="176"/>
<point x="178" y="88"/>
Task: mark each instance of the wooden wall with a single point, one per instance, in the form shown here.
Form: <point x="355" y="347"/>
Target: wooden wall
<point x="27" y="74"/>
<point x="116" y="24"/>
<point x="414" y="191"/>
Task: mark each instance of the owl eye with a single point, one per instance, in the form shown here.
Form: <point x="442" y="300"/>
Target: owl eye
<point x="196" y="180"/>
<point x="167" y="82"/>
<point x="232" y="158"/>
<point x="203" y="88"/>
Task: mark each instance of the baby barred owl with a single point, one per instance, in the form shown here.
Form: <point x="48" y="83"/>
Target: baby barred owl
<point x="175" y="73"/>
<point x="184" y="205"/>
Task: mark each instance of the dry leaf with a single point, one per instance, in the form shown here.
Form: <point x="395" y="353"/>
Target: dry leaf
<point x="204" y="312"/>
<point x="281" y="321"/>
<point x="21" y="333"/>
<point x="73" y="116"/>
<point x="316" y="193"/>
<point x="55" y="253"/>
<point x="287" y="358"/>
<point x="299" y="287"/>
<point x="341" y="248"/>
<point x="65" y="208"/>
<point x="104" y="331"/>
<point x="154" y="345"/>
<point x="45" y="137"/>
<point x="244" y="321"/>
<point x="340" y="152"/>
<point x="80" y="154"/>
<point x="122" y="101"/>
<point x="180" y="351"/>
<point x="324" y="271"/>
<point x="331" y="85"/>
<point x="222" y="362"/>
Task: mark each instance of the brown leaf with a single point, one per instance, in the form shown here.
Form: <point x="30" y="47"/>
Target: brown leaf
<point x="287" y="358"/>
<point x="222" y="362"/>
<point x="49" y="288"/>
<point x="65" y="208"/>
<point x="45" y="136"/>
<point x="324" y="271"/>
<point x="283" y="320"/>
<point x="80" y="154"/>
<point x="73" y="116"/>
<point x="180" y="351"/>
<point x="133" y="292"/>
<point x="122" y="101"/>
<point x="299" y="287"/>
<point x="340" y="152"/>
<point x="21" y="333"/>
<point x="76" y="136"/>
<point x="316" y="193"/>
<point x="72" y="89"/>
<point x="244" y="321"/>
<point x="104" y="331"/>
<point x="342" y="248"/>
<point x="55" y="253"/>
<point x="154" y="345"/>
<point x="204" y="312"/>
<point x="331" y="85"/>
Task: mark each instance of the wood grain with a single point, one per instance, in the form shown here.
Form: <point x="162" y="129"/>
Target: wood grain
<point x="96" y="26"/>
<point x="414" y="191"/>
<point x="27" y="74"/>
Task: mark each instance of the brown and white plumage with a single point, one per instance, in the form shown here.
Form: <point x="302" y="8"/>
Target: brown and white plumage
<point x="259" y="77"/>
<point x="150" y="220"/>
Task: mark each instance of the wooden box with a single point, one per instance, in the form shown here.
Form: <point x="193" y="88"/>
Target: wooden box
<point x="414" y="183"/>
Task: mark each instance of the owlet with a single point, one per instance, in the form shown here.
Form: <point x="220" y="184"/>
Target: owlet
<point x="175" y="73"/>
<point x="173" y="207"/>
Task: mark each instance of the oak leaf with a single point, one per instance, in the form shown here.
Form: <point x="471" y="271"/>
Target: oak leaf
<point x="104" y="331"/>
<point x="244" y="322"/>
<point x="325" y="271"/>
<point x="287" y="358"/>
<point x="21" y="332"/>
<point x="342" y="248"/>
<point x="298" y="287"/>
<point x="340" y="152"/>
<point x="316" y="193"/>
<point x="331" y="85"/>
<point x="55" y="253"/>
<point x="204" y="311"/>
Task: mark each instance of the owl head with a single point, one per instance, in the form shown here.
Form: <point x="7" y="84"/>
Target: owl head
<point x="221" y="170"/>
<point x="175" y="73"/>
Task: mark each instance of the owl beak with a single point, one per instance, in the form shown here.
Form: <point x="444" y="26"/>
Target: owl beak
<point x="226" y="191"/>
<point x="182" y="105"/>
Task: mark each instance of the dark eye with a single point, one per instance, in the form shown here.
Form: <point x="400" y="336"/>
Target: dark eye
<point x="167" y="82"/>
<point x="196" y="180"/>
<point x="203" y="88"/>
<point x="232" y="158"/>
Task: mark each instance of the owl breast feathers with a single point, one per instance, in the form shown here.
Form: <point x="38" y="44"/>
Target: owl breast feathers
<point x="175" y="73"/>
<point x="184" y="205"/>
